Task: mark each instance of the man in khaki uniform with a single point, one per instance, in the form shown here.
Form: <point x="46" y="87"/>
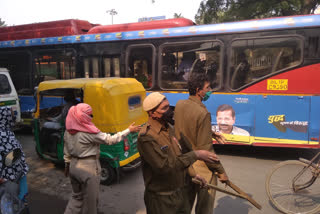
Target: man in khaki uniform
<point x="164" y="167"/>
<point x="193" y="120"/>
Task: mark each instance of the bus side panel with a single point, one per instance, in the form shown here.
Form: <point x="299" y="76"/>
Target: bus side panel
<point x="282" y="120"/>
<point x="175" y="97"/>
<point x="243" y="106"/>
<point x="314" y="125"/>
<point x="27" y="103"/>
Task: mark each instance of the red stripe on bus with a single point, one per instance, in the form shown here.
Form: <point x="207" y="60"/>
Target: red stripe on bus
<point x="300" y="80"/>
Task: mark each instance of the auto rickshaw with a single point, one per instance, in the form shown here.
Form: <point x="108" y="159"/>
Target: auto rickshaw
<point x="115" y="102"/>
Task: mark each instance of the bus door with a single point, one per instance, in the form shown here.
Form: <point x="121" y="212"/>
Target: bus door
<point x="140" y="63"/>
<point x="282" y="120"/>
<point x="233" y="116"/>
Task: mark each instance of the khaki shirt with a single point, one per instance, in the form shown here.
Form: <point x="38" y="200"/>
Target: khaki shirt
<point x="84" y="144"/>
<point x="194" y="121"/>
<point x="163" y="166"/>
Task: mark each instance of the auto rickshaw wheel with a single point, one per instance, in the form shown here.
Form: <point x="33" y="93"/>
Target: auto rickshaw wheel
<point x="108" y="174"/>
<point x="38" y="153"/>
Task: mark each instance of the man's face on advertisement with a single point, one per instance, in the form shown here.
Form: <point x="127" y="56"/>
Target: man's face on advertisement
<point x="225" y="121"/>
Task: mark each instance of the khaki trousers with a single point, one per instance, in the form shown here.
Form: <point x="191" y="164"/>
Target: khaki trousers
<point x="205" y="197"/>
<point x="175" y="203"/>
<point x="85" y="180"/>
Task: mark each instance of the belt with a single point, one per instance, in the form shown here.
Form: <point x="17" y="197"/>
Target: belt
<point x="166" y="192"/>
<point x="90" y="157"/>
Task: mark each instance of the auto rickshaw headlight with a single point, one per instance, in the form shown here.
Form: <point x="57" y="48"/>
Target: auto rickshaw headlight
<point x="126" y="144"/>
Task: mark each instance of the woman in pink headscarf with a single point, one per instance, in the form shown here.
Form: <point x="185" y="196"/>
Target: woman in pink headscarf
<point x="81" y="152"/>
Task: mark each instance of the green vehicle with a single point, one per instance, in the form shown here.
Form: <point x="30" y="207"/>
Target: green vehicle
<point x="115" y="102"/>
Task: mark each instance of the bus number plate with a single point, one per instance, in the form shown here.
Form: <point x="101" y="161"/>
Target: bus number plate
<point x="277" y="84"/>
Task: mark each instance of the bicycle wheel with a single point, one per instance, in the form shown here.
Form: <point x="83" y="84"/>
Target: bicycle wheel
<point x="280" y="191"/>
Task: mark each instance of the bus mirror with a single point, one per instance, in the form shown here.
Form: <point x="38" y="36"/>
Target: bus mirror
<point x="35" y="93"/>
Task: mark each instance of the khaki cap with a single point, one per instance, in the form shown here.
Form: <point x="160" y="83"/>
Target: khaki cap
<point x="152" y="101"/>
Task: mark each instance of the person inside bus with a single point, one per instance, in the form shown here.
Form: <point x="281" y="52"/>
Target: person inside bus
<point x="140" y="75"/>
<point x="206" y="66"/>
<point x="186" y="65"/>
<point x="226" y="118"/>
<point x="240" y="74"/>
<point x="168" y="66"/>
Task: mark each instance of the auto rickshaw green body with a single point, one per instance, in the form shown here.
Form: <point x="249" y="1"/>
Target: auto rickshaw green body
<point x="115" y="102"/>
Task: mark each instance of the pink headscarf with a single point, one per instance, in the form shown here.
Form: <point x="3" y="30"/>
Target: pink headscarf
<point x="79" y="119"/>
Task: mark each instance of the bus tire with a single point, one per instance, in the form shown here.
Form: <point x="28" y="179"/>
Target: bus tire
<point x="108" y="174"/>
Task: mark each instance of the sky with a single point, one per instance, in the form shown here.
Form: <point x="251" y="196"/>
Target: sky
<point x="17" y="12"/>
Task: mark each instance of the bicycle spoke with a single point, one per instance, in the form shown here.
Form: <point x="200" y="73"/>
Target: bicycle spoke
<point x="283" y="191"/>
<point x="278" y="185"/>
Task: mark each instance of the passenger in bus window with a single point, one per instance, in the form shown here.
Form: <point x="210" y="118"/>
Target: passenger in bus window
<point x="241" y="71"/>
<point x="207" y="64"/>
<point x="186" y="65"/>
<point x="168" y="63"/>
<point x="226" y="118"/>
<point x="140" y="75"/>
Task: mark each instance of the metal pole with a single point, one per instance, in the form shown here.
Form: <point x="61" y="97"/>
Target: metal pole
<point x="112" y="12"/>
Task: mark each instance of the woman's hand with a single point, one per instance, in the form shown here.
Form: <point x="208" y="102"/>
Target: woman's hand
<point x="134" y="128"/>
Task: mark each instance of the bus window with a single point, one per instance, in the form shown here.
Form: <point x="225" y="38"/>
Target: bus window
<point x="116" y="67"/>
<point x="179" y="60"/>
<point x="86" y="65"/>
<point x="111" y="67"/>
<point x="140" y="64"/>
<point x="254" y="59"/>
<point x="19" y="64"/>
<point x="107" y="67"/>
<point x="91" y="67"/>
<point x="95" y="67"/>
<point x="58" y="65"/>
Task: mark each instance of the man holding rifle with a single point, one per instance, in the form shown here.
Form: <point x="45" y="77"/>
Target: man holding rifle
<point x="164" y="165"/>
<point x="193" y="123"/>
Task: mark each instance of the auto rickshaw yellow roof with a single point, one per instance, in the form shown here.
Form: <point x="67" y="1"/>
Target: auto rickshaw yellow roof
<point x="115" y="102"/>
<point x="82" y="82"/>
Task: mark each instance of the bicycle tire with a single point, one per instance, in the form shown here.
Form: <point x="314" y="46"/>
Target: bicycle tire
<point x="280" y="191"/>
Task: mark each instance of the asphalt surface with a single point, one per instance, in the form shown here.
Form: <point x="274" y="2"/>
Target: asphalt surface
<point x="43" y="203"/>
<point x="246" y="167"/>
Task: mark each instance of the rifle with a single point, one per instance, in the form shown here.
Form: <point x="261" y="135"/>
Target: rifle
<point x="187" y="147"/>
<point x="239" y="193"/>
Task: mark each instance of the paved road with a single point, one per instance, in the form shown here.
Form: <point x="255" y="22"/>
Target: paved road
<point x="246" y="166"/>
